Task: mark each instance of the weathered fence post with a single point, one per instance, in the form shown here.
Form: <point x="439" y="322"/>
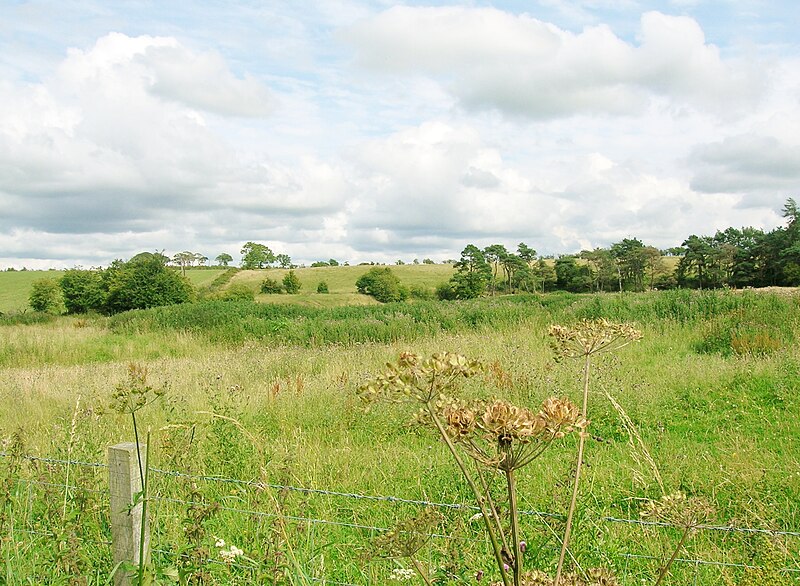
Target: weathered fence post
<point x="124" y="482"/>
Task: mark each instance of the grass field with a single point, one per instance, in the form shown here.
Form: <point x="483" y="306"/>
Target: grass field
<point x="267" y="394"/>
<point x="15" y="287"/>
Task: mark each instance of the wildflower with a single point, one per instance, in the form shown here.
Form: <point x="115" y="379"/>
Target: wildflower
<point x="229" y="555"/>
<point x="219" y="542"/>
<point x="402" y="574"/>
<point x="523" y="545"/>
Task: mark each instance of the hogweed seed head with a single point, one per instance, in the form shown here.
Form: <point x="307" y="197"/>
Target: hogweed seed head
<point x="506" y="422"/>
<point x="408" y="536"/>
<point x="679" y="510"/>
<point x="130" y="396"/>
<point x="561" y="416"/>
<point x="418" y="379"/>
<point x="591" y="336"/>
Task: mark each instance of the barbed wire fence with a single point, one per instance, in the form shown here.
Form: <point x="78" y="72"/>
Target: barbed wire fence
<point x="706" y="564"/>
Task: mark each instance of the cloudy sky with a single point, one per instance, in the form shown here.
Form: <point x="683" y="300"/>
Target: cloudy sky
<point x="375" y="131"/>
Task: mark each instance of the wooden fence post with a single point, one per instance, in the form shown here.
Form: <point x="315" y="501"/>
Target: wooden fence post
<point x="124" y="482"/>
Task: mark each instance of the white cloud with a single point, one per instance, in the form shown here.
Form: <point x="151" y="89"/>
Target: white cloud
<point x="520" y="65"/>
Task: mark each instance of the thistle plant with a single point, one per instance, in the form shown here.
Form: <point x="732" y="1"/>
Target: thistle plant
<point x="583" y="341"/>
<point x="497" y="436"/>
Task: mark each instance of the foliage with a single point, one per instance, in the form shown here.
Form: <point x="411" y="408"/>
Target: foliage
<point x="382" y="284"/>
<point x="45" y="296"/>
<point x="238" y="292"/>
<point x="83" y="290"/>
<point x="256" y="256"/>
<point x="224" y="259"/>
<point x="140" y="284"/>
<point x="322" y="287"/>
<point x="291" y="283"/>
<point x="473" y="274"/>
<point x="271" y="286"/>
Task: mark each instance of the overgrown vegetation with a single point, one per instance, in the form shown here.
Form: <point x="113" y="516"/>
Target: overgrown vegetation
<point x="245" y="403"/>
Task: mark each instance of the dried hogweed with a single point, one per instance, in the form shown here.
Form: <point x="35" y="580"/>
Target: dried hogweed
<point x="408" y="536"/>
<point x="419" y="380"/>
<point x="591" y="336"/>
<point x="679" y="510"/>
<point x="130" y="396"/>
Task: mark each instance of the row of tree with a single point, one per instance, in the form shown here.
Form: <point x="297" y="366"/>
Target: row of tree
<point x="746" y="257"/>
<point x="143" y="281"/>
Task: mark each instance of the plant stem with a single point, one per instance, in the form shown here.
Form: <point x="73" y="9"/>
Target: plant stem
<point x="666" y="567"/>
<point x="581" y="444"/>
<point x="511" y="487"/>
<point x="481" y="500"/>
<point x="492" y="507"/>
<point x="421" y="571"/>
<point x="138" y="451"/>
<point x="143" y="520"/>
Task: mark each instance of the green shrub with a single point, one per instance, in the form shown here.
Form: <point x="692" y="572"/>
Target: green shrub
<point x="322" y="287"/>
<point x="83" y="290"/>
<point x="144" y="282"/>
<point x="291" y="283"/>
<point x="382" y="284"/>
<point x="420" y="292"/>
<point x="238" y="292"/>
<point x="271" y="286"/>
<point x="45" y="296"/>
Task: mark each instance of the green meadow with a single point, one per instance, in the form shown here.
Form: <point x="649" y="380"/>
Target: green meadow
<point x="260" y="440"/>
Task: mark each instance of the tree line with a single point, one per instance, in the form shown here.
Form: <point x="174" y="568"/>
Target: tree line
<point x="745" y="257"/>
<point x="735" y="257"/>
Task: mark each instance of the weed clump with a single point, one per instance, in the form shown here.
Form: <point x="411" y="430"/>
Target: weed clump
<point x="498" y="436"/>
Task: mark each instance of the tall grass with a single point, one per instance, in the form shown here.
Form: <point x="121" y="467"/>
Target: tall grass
<point x="719" y="425"/>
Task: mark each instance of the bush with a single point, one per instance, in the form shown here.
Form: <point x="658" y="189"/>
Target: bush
<point x="83" y="291"/>
<point x="291" y="283"/>
<point x="382" y="284"/>
<point x="45" y="296"/>
<point x="271" y="286"/>
<point x="238" y="292"/>
<point x="144" y="282"/>
<point x="322" y="287"/>
<point x="420" y="292"/>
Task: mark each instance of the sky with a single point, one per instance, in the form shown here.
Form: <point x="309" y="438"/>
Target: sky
<point x="375" y="131"/>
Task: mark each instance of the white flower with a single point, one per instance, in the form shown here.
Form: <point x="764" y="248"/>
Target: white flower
<point x="229" y="555"/>
<point x="220" y="542"/>
<point x="401" y="574"/>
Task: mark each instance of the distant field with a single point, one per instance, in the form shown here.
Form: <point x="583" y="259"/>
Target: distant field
<point x="202" y="277"/>
<point x="342" y="279"/>
<point x="15" y="287"/>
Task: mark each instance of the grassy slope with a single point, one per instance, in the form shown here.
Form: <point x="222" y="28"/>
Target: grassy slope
<point x="341" y="283"/>
<point x="201" y="277"/>
<point x="15" y="287"/>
